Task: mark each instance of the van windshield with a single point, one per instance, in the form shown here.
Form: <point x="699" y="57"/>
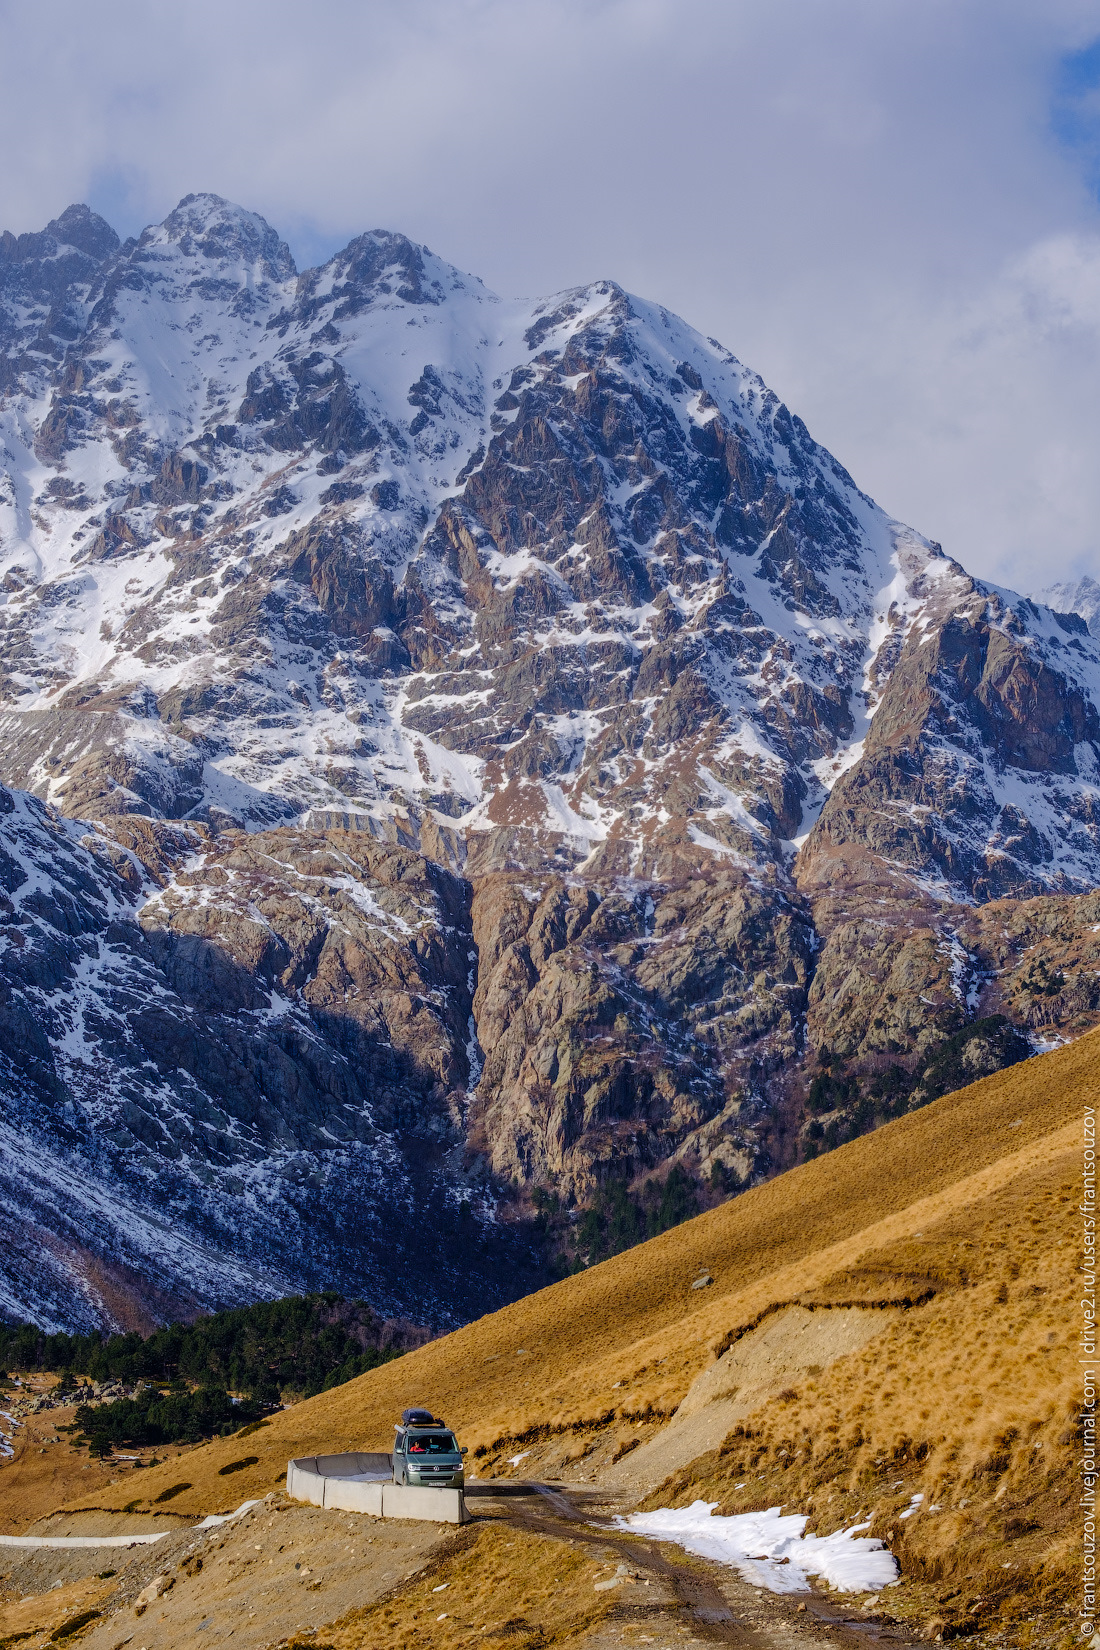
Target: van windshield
<point x="431" y="1443"/>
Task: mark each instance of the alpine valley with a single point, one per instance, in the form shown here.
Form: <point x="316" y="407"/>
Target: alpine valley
<point x="462" y="755"/>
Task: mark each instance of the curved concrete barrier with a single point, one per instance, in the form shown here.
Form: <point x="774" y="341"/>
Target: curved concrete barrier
<point x="359" y="1481"/>
<point x="64" y="1542"/>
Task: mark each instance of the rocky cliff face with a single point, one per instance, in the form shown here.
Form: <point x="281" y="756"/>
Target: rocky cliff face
<point x="520" y="750"/>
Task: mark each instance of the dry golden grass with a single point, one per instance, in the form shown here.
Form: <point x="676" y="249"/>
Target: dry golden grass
<point x="43" y="1474"/>
<point x="965" y="1400"/>
<point x="632" y="1333"/>
<point x="498" y="1582"/>
<point x="42" y="1619"/>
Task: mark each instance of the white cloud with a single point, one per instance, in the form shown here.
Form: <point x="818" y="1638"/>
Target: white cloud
<point x="996" y="443"/>
<point x="862" y="198"/>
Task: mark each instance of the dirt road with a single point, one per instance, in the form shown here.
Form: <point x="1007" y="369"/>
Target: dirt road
<point x="674" y="1595"/>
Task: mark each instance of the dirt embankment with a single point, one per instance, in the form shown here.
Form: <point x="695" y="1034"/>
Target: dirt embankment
<point x="280" y="1570"/>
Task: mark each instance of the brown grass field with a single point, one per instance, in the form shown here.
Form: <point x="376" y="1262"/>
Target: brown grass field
<point x="961" y="1217"/>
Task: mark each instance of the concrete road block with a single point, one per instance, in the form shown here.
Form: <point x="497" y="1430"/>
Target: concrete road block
<point x="413" y="1501"/>
<point x="352" y="1496"/>
<point x="304" y="1482"/>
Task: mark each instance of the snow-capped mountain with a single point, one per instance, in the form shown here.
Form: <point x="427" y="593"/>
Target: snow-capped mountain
<point x="556" y="599"/>
<point x="370" y="540"/>
<point x="1081" y="596"/>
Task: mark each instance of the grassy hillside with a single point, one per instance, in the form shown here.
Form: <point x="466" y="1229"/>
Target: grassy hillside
<point x="960" y="1214"/>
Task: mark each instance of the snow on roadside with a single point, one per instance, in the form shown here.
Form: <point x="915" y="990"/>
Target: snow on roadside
<point x="770" y="1550"/>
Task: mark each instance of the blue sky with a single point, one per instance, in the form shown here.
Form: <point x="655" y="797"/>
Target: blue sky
<point x="1075" y="108"/>
<point x="890" y="208"/>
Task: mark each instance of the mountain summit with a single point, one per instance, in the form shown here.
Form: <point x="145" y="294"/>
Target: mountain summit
<point x="510" y="739"/>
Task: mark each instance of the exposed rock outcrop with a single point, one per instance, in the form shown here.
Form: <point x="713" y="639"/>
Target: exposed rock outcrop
<point x="619" y="1022"/>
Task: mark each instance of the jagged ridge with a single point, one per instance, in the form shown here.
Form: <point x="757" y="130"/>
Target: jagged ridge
<point x="571" y="633"/>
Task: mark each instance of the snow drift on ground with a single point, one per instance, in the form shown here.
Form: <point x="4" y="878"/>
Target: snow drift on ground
<point x="770" y="1550"/>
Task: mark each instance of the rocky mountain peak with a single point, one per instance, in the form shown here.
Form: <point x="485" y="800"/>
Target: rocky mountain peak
<point x="378" y="265"/>
<point x="225" y="234"/>
<point x="84" y="229"/>
<point x="510" y="700"/>
<point x="46" y="283"/>
<point x="1075" y="596"/>
<point x="78" y="228"/>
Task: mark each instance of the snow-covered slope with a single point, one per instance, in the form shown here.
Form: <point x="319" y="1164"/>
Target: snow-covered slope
<point x="556" y="598"/>
<point x="1081" y="596"/>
